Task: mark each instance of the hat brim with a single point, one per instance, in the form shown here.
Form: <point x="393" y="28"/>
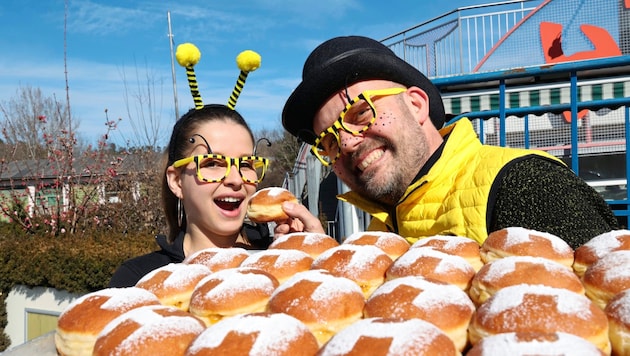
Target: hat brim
<point x="343" y="71"/>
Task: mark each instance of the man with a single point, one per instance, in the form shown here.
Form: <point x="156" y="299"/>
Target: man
<point x="379" y="122"/>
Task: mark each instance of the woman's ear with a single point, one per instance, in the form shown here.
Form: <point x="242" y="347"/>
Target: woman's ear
<point x="419" y="101"/>
<point x="174" y="181"/>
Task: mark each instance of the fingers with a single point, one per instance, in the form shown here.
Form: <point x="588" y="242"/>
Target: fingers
<point x="300" y="220"/>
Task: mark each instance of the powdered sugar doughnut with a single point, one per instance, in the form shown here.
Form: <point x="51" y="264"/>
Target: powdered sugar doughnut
<point x="80" y="323"/>
<point x="174" y="283"/>
<point x="444" y="305"/>
<point x="524" y="344"/>
<point x="149" y="330"/>
<point x="282" y="264"/>
<point x="618" y="313"/>
<point x="387" y="336"/>
<point x="217" y="258"/>
<point x="518" y="241"/>
<point x="514" y="270"/>
<point x="599" y="246"/>
<point x="608" y="276"/>
<point x="363" y="264"/>
<point x="391" y="243"/>
<point x="265" y="205"/>
<point x="256" y="334"/>
<point x="323" y="302"/>
<point x="430" y="263"/>
<point x="231" y="291"/>
<point x="454" y="245"/>
<point x="310" y="242"/>
<point x="535" y="308"/>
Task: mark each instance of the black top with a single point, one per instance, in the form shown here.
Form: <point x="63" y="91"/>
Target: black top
<point x="130" y="271"/>
<point x="542" y="195"/>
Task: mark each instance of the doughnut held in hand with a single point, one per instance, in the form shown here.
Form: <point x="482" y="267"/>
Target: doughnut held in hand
<point x="266" y="204"/>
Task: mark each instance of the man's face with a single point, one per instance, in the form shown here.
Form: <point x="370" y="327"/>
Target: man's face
<point x="380" y="162"/>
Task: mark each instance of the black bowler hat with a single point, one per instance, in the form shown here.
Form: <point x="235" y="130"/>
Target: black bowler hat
<point x="341" y="62"/>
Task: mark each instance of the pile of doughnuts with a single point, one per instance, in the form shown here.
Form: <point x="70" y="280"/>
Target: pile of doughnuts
<point x="520" y="292"/>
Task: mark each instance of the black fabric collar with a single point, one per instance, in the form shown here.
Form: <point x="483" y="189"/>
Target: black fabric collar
<point x="431" y="161"/>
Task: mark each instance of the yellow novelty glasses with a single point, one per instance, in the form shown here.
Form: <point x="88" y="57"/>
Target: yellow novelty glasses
<point x="213" y="168"/>
<point x="356" y="118"/>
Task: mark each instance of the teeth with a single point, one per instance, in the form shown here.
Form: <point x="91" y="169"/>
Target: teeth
<point x="229" y="200"/>
<point x="370" y="158"/>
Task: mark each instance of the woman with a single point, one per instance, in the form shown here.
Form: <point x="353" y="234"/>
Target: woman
<point x="210" y="174"/>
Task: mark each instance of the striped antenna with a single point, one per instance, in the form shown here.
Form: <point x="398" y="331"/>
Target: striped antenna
<point x="187" y="56"/>
<point x="247" y="61"/>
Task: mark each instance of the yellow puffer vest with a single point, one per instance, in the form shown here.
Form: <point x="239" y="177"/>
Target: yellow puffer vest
<point x="452" y="198"/>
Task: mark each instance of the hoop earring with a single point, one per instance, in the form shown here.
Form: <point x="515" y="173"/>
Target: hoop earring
<point x="180" y="213"/>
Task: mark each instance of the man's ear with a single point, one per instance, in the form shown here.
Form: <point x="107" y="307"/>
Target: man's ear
<point x="174" y="181"/>
<point x="419" y="104"/>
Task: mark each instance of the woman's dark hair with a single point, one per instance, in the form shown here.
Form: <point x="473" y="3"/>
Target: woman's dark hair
<point x="179" y="147"/>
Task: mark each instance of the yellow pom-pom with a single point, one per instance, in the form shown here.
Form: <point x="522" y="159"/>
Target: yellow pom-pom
<point x="187" y="55"/>
<point x="248" y="61"/>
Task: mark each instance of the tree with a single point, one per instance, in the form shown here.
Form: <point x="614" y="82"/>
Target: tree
<point x="282" y="152"/>
<point x="28" y="118"/>
<point x="143" y="102"/>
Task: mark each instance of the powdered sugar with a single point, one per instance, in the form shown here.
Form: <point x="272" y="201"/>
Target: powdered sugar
<point x="122" y="298"/>
<point x="235" y="281"/>
<point x="362" y="257"/>
<point x="446" y="264"/>
<point x="512" y="297"/>
<point x="154" y="325"/>
<point x="504" y="266"/>
<point x="431" y="295"/>
<point x="274" y="332"/>
<point x="562" y="344"/>
<point x="329" y="288"/>
<point x="516" y="235"/>
<point x="615" y="266"/>
<point x="273" y="191"/>
<point x="604" y="243"/>
<point x="404" y="334"/>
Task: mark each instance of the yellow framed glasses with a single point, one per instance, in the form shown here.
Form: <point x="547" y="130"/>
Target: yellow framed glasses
<point x="357" y="117"/>
<point x="213" y="168"/>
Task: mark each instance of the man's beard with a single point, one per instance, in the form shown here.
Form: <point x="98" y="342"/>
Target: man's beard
<point x="388" y="189"/>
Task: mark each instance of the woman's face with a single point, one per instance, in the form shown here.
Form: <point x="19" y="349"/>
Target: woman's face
<point x="216" y="210"/>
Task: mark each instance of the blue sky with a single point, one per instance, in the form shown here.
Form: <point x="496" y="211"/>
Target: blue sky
<point x="116" y="43"/>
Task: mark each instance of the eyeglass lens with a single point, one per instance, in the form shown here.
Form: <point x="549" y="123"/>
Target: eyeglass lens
<point x="214" y="169"/>
<point x="356" y="118"/>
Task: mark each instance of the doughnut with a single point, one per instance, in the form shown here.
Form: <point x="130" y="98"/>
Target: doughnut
<point x="149" y="330"/>
<point x="618" y="313"/>
<point x="281" y="264"/>
<point x="310" y="242"/>
<point x="535" y="308"/>
<point x="608" y="276"/>
<point x="174" y="283"/>
<point x="363" y="264"/>
<point x="454" y="245"/>
<point x="231" y="291"/>
<point x="82" y="320"/>
<point x="265" y="205"/>
<point x="434" y="264"/>
<point x="256" y="334"/>
<point x="444" y="305"/>
<point x="323" y="302"/>
<point x="599" y="246"/>
<point x="389" y="336"/>
<point x="518" y="241"/>
<point x="514" y="270"/>
<point x="217" y="258"/>
<point x="533" y="343"/>
<point x="391" y="243"/>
